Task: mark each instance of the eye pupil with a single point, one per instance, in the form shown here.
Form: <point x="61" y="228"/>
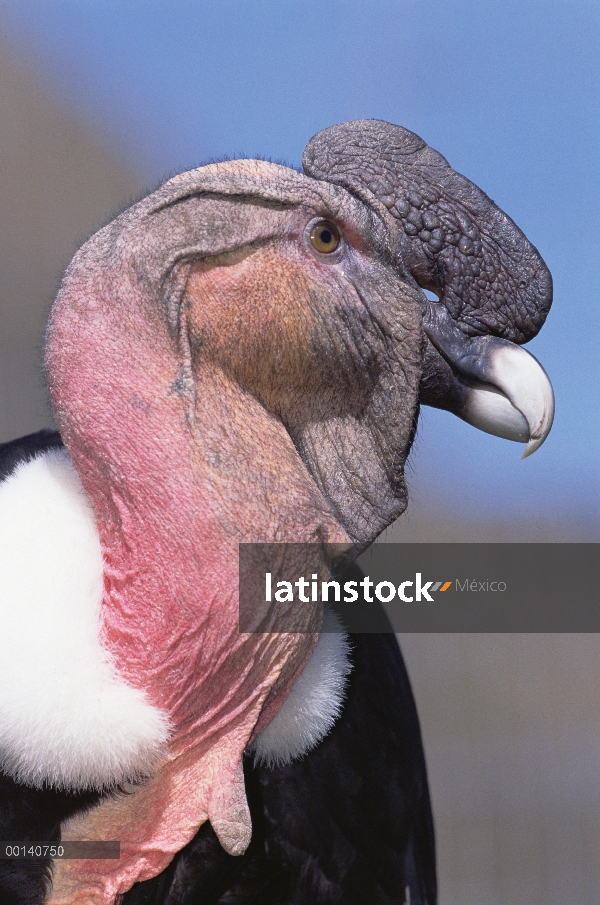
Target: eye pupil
<point x="325" y="237"/>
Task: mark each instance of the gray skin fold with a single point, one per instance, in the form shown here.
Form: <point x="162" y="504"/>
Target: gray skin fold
<point x="493" y="286"/>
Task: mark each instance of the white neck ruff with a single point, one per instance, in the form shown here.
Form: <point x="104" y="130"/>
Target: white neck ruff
<point x="67" y="718"/>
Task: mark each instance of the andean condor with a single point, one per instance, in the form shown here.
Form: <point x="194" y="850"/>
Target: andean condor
<point x="240" y="358"/>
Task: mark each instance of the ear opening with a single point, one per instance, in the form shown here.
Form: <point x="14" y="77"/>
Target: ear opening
<point x="173" y="290"/>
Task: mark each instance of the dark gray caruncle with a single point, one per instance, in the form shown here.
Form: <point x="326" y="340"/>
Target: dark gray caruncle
<point x="490" y="280"/>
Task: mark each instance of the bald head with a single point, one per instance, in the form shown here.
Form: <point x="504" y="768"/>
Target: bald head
<point x="239" y="358"/>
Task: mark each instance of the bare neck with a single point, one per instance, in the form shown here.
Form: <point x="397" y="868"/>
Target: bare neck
<point x="177" y="481"/>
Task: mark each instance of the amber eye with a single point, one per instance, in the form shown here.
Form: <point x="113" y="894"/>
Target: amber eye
<point x="325" y="237"/>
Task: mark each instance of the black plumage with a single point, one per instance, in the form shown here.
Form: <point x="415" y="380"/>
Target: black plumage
<point x="25" y="448"/>
<point x="350" y="823"/>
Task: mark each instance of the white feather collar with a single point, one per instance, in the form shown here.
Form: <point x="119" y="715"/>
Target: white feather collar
<point x="67" y="717"/>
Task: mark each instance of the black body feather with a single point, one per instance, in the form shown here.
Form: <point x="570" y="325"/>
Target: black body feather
<point x="349" y="824"/>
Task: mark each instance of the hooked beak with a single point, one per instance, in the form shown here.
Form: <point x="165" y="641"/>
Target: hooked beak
<point x="506" y="390"/>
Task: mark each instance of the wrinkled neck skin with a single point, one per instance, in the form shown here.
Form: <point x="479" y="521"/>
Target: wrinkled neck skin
<point x="160" y="444"/>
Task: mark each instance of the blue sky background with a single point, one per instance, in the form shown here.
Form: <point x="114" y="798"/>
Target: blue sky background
<point x="508" y="91"/>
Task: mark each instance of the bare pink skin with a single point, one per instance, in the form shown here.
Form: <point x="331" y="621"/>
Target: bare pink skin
<point x="192" y="339"/>
<point x="178" y="473"/>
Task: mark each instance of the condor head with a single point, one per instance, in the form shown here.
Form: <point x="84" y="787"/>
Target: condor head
<point x="240" y="357"/>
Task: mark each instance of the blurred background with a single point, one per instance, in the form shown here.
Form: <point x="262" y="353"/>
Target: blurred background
<point x="102" y="101"/>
